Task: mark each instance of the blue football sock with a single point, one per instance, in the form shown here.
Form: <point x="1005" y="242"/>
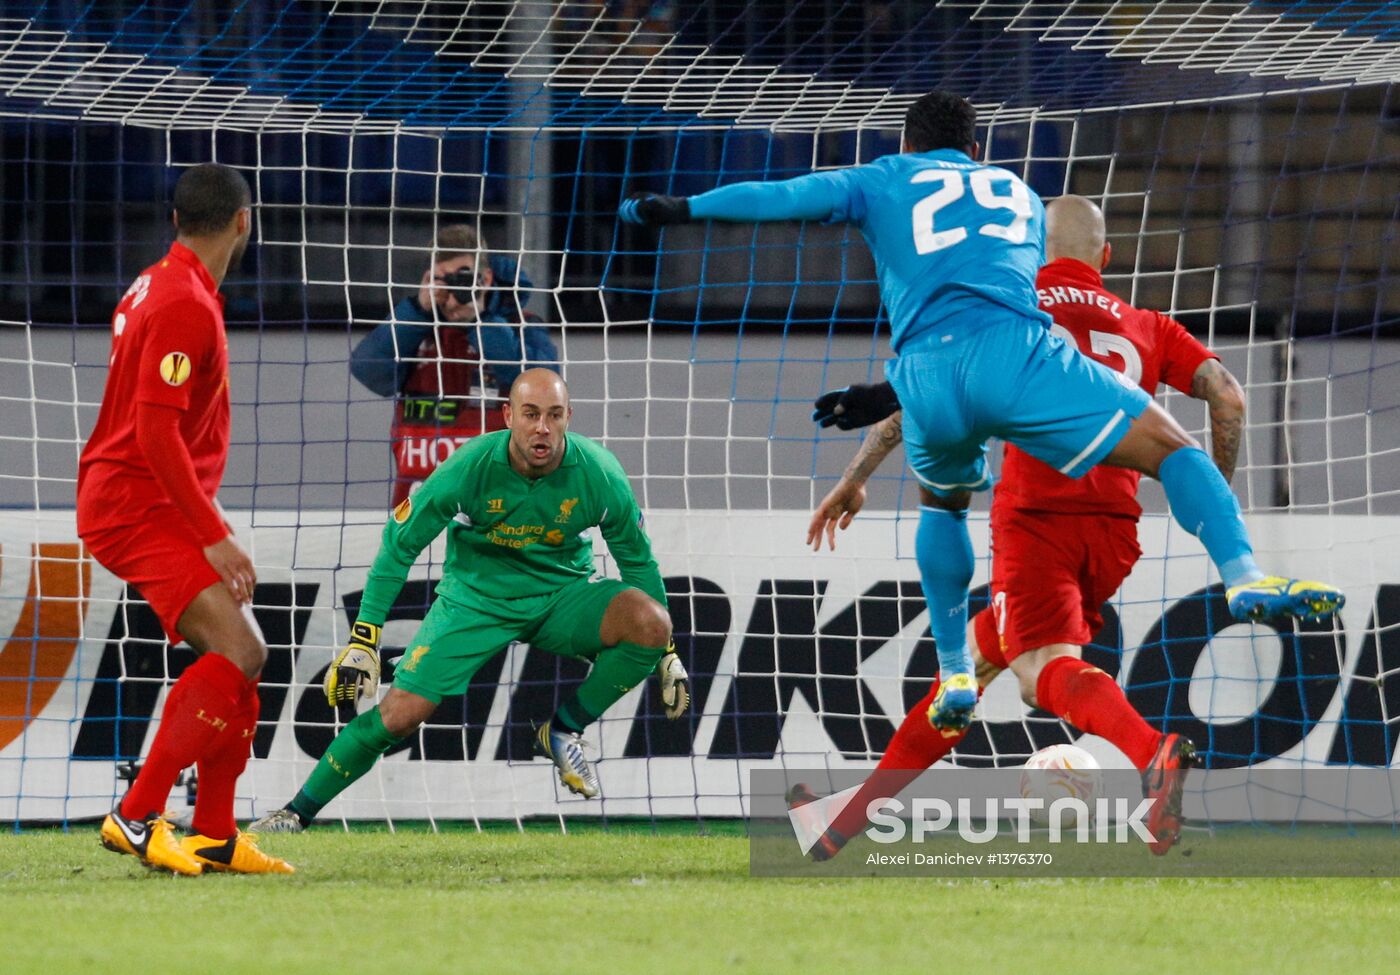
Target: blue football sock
<point x="1204" y="505"/>
<point x="944" y="552"/>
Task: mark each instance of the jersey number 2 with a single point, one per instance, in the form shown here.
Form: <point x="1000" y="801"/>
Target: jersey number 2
<point x="1106" y="344"/>
<point x="927" y="238"/>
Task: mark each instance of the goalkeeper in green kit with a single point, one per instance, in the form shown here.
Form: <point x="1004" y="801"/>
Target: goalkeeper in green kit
<point x="515" y="503"/>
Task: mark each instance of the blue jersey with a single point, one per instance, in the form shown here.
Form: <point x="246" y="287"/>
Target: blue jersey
<point x="948" y="234"/>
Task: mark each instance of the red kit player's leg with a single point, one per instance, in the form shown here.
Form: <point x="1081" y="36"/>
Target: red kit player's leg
<point x="917" y="745"/>
<point x="1056" y="571"/>
<point x="1093" y="702"/>
<point x="221" y="765"/>
<point x="198" y="710"/>
<point x="205" y="710"/>
<point x="914" y="747"/>
<point x="185" y="592"/>
<point x="215" y="620"/>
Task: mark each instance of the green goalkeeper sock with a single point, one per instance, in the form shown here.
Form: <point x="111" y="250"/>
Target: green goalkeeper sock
<point x="351" y="755"/>
<point x="616" y="671"/>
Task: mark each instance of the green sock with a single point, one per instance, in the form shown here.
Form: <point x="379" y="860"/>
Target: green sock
<point x="351" y="755"/>
<point x="616" y="671"/>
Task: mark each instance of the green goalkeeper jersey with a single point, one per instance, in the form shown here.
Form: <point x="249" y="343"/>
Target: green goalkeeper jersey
<point x="510" y="536"/>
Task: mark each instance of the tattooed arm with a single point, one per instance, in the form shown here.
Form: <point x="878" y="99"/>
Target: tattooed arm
<point x="1225" y="400"/>
<point x="878" y="444"/>
<point x="842" y="503"/>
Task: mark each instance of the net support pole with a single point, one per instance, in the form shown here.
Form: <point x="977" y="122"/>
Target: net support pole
<point x="1242" y="244"/>
<point x="531" y="155"/>
<point x="1243" y="239"/>
<point x="1282" y="362"/>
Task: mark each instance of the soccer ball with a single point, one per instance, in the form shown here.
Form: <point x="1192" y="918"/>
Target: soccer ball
<point x="1058" y="772"/>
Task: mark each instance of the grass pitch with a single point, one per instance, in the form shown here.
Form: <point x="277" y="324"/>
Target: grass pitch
<point x="630" y="900"/>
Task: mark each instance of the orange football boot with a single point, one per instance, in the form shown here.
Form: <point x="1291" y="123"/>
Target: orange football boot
<point x="237" y="854"/>
<point x="150" y="841"/>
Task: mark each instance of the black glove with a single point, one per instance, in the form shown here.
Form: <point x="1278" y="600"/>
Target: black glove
<point x="654" y="210"/>
<point x="855" y="406"/>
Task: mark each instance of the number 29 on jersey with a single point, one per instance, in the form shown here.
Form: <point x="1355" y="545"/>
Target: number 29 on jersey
<point x="952" y="186"/>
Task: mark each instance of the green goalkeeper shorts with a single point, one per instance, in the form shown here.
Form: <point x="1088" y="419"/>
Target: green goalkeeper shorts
<point x="459" y="635"/>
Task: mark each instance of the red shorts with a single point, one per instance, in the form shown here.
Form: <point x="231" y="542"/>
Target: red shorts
<point x="1050" y="575"/>
<point x="161" y="560"/>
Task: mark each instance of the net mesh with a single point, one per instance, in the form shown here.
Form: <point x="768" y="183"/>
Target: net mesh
<point x="1244" y="155"/>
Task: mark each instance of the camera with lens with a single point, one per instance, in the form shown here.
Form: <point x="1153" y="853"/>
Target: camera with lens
<point x="461" y="284"/>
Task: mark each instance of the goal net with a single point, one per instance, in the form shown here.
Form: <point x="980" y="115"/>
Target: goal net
<point x="1244" y="155"/>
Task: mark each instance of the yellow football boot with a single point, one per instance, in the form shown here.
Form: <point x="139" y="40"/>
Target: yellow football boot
<point x="150" y="841"/>
<point x="237" y="854"/>
<point x="1274" y="597"/>
<point x="951" y="710"/>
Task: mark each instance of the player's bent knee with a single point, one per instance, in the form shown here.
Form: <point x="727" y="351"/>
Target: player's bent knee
<point x="1170" y="434"/>
<point x="250" y="655"/>
<point x="403" y="712"/>
<point x="1027" y="667"/>
<point x="653" y="626"/>
<point x="214" y="622"/>
<point x="1153" y="436"/>
<point x="245" y="647"/>
<point x="634" y="617"/>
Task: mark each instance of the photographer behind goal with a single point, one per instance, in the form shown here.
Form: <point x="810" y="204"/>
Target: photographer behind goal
<point x="450" y="352"/>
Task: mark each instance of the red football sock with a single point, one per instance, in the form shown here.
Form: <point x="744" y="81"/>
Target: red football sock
<point x="914" y="747"/>
<point x="221" y="765"/>
<point x="197" y="710"/>
<point x="1092" y="701"/>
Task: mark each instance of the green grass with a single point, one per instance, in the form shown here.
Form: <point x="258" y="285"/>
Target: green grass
<point x="629" y="900"/>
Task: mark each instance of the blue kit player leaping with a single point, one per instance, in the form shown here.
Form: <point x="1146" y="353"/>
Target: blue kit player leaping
<point x="957" y="245"/>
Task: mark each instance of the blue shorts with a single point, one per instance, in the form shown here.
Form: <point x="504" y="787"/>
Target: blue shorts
<point x="1012" y="379"/>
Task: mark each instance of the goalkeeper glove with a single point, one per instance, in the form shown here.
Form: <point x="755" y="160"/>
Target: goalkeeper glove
<point x="855" y="406"/>
<point x="654" y="210"/>
<point x="355" y="673"/>
<point x="675" y="683"/>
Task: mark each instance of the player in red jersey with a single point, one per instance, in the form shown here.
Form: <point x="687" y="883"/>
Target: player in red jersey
<point x="146" y="510"/>
<point x="1060" y="547"/>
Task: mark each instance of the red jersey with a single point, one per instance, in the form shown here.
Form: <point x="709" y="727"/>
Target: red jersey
<point x="1146" y="347"/>
<point x="168" y="348"/>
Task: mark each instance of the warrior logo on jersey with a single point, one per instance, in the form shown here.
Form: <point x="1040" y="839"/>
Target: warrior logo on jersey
<point x="566" y="510"/>
<point x="175" y="368"/>
<point x="402" y="510"/>
<point x="495" y="505"/>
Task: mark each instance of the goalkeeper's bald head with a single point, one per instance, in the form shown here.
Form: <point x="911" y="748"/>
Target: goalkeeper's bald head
<point x="537" y="414"/>
<point x="1074" y="227"/>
